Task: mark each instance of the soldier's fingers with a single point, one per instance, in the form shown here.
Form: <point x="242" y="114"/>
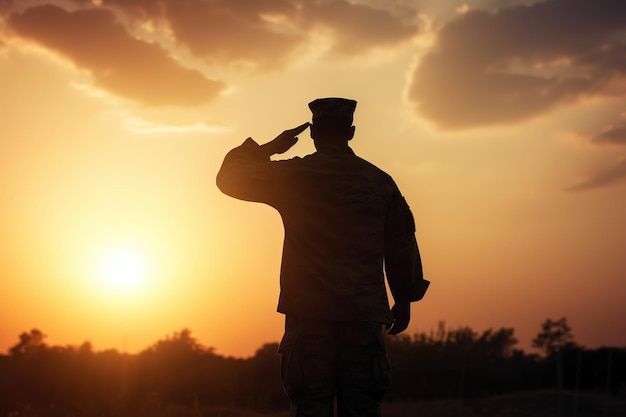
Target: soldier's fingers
<point x="399" y="326"/>
<point x="297" y="130"/>
<point x="397" y="329"/>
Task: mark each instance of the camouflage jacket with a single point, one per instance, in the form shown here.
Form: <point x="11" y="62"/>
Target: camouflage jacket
<point x="345" y="220"/>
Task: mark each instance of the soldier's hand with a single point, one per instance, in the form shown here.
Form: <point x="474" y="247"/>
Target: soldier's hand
<point x="285" y="140"/>
<point x="402" y="315"/>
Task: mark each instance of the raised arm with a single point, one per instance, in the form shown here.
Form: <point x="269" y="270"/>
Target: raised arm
<point x="245" y="172"/>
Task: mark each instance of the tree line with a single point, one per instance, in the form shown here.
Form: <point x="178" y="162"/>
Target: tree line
<point x="41" y="380"/>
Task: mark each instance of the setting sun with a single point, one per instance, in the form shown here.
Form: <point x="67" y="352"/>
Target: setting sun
<point x="123" y="269"/>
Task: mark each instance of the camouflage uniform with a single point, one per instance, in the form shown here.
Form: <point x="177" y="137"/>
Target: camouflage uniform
<point x="343" y="217"/>
<point x="324" y="359"/>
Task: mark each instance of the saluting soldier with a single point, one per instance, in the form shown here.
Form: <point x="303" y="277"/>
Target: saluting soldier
<point x="345" y="222"/>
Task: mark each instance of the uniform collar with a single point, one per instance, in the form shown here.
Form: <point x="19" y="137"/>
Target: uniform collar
<point x="330" y="150"/>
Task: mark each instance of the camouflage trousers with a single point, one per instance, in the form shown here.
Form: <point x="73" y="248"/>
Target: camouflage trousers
<point x="322" y="361"/>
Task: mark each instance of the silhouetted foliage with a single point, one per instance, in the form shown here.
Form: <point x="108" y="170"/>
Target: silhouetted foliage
<point x="177" y="373"/>
<point x="457" y="362"/>
<point x="30" y="343"/>
<point x="555" y="334"/>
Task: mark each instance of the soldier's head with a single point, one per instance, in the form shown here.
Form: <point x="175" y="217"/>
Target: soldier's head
<point x="332" y="120"/>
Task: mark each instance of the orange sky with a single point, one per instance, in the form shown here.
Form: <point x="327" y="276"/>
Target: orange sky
<point x="503" y="123"/>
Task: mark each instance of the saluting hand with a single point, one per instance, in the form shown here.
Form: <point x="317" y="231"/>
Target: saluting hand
<point x="283" y="142"/>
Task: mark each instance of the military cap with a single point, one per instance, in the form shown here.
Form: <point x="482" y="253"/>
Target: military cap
<point x="333" y="110"/>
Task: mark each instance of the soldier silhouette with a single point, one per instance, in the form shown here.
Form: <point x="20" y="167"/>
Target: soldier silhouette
<point x="345" y="222"/>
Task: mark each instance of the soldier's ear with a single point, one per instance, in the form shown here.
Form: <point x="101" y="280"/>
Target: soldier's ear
<point x="351" y="133"/>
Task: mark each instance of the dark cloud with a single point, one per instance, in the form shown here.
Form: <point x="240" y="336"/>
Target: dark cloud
<point x="612" y="135"/>
<point x="604" y="178"/>
<point x="119" y="63"/>
<point x="5" y="7"/>
<point x="232" y="31"/>
<point x="106" y="39"/>
<point x="357" y="28"/>
<point x="493" y="68"/>
<point x="266" y="34"/>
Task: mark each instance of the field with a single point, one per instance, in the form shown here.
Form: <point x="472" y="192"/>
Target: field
<point x="535" y="404"/>
<point x="531" y="404"/>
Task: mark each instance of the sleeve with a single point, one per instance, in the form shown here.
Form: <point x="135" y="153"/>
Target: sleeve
<point x="246" y="173"/>
<point x="403" y="264"/>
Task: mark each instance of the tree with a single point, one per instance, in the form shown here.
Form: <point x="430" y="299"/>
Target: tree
<point x="31" y="342"/>
<point x="554" y="335"/>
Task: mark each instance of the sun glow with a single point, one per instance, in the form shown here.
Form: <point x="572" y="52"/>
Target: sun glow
<point x="123" y="269"/>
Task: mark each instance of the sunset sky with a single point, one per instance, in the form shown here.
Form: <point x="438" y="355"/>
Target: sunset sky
<point x="502" y="122"/>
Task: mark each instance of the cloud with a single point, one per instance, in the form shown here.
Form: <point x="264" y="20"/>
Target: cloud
<point x="144" y="126"/>
<point x="117" y="41"/>
<point x="611" y="135"/>
<point x="94" y="40"/>
<point x="604" y="178"/>
<point x="357" y="28"/>
<point x="5" y="7"/>
<point x="266" y="34"/>
<point x="227" y="31"/>
<point x="521" y="62"/>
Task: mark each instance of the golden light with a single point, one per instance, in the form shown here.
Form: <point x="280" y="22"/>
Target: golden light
<point x="123" y="269"/>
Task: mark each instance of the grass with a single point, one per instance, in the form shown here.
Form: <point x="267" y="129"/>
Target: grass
<point x="530" y="404"/>
<point x="525" y="404"/>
